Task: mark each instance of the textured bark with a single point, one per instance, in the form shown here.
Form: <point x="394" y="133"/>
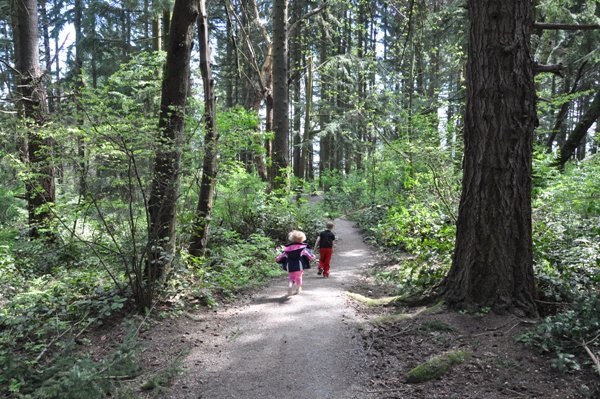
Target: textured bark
<point x="493" y="257"/>
<point x="162" y="205"/>
<point x="211" y="137"/>
<point x="281" y="142"/>
<point x="40" y="188"/>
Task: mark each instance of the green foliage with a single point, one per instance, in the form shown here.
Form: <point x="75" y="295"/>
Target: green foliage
<point x="11" y="207"/>
<point x="235" y="265"/>
<point x="70" y="374"/>
<point x="343" y="194"/>
<point x="39" y="308"/>
<point x="566" y="254"/>
<point x="566" y="233"/>
<point x="244" y="207"/>
<point x="565" y="333"/>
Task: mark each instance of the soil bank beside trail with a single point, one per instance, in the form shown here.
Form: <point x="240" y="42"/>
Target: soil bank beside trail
<point x="306" y="346"/>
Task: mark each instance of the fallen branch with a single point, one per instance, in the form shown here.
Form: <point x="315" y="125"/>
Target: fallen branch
<point x="592" y="355"/>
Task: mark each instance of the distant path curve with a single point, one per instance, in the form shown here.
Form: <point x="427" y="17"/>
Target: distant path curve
<point x="273" y="347"/>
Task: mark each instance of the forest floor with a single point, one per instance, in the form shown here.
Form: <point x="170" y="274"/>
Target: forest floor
<point x="323" y="344"/>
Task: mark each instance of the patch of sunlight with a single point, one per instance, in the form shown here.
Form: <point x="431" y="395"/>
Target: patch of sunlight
<point x="356" y="252"/>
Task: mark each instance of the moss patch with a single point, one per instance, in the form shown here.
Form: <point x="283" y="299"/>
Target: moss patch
<point x="374" y="302"/>
<point x="436" y="367"/>
<point x="435" y="309"/>
<point x="392" y="318"/>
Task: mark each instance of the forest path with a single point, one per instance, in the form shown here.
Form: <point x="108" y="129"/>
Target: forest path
<point x="305" y="346"/>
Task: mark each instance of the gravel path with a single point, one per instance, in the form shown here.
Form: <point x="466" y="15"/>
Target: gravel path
<point x="306" y="346"/>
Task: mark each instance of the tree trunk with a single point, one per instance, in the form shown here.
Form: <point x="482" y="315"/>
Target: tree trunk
<point x="580" y="131"/>
<point x="40" y="189"/>
<point x="307" y="145"/>
<point x="81" y="150"/>
<point x="162" y="205"/>
<point x="156" y="27"/>
<point x="209" y="167"/>
<point x="493" y="257"/>
<point x="324" y="54"/>
<point x="564" y="108"/>
<point x="281" y="142"/>
<point x="48" y="56"/>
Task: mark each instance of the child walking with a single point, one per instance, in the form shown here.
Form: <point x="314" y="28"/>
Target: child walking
<point x="296" y="257"/>
<point x="326" y="244"/>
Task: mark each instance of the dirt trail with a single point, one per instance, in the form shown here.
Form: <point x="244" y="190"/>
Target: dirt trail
<point x="306" y="346"/>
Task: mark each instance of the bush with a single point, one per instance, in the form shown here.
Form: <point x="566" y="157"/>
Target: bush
<point x="565" y="333"/>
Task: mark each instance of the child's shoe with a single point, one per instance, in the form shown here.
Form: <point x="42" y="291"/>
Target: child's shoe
<point x="320" y="272"/>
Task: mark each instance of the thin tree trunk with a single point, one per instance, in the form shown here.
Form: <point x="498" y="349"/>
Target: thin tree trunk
<point x="580" y="131"/>
<point x="307" y="147"/>
<point x="162" y="205"/>
<point x="281" y="142"/>
<point x="209" y="166"/>
<point x="564" y="108"/>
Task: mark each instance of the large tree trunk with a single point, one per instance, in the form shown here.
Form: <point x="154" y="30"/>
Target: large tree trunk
<point x="40" y="189"/>
<point x="209" y="167"/>
<point x="162" y="205"/>
<point x="281" y="143"/>
<point x="493" y="257"/>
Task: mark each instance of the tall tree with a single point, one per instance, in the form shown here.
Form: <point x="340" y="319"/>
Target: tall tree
<point x="493" y="256"/>
<point x="281" y="142"/>
<point x="40" y="188"/>
<point x="209" y="166"/>
<point x="162" y="204"/>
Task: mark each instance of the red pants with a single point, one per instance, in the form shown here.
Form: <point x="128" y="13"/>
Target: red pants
<point x="325" y="259"/>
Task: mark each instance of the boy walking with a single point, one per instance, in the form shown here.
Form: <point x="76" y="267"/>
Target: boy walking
<point x="326" y="244"/>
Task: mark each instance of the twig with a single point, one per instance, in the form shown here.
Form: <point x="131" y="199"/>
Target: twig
<point x="42" y="353"/>
<point x="515" y="392"/>
<point x="372" y="342"/>
<point x="510" y="329"/>
<point x="388" y="390"/>
<point x="592" y="355"/>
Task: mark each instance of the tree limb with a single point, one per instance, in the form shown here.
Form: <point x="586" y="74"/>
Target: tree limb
<point x="309" y="14"/>
<point x="555" y="69"/>
<point x="558" y="26"/>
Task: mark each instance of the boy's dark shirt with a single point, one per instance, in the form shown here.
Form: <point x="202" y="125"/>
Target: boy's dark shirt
<point x="326" y="239"/>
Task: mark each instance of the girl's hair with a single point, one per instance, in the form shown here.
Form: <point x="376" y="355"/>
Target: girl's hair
<point x="296" y="236"/>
